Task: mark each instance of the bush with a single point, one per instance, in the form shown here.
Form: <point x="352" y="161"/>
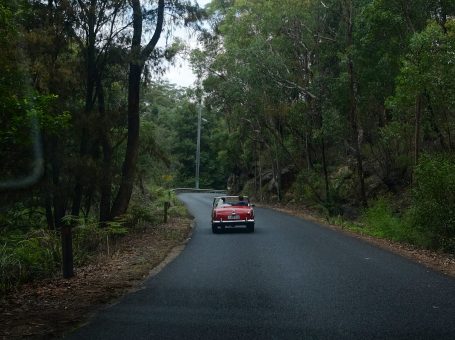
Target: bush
<point x="23" y="258"/>
<point x="433" y="200"/>
<point x="36" y="253"/>
<point x="308" y="187"/>
<point x="90" y="238"/>
<point x="381" y="222"/>
<point x="150" y="210"/>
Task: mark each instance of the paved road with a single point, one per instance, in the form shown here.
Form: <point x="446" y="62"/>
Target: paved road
<point x="291" y="279"/>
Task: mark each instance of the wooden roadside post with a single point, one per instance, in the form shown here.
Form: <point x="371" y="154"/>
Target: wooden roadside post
<point x="167" y="205"/>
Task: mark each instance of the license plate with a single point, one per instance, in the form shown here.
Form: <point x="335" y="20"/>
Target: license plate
<point x="233" y="217"/>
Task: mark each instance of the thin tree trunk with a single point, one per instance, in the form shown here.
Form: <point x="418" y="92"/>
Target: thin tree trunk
<point x="106" y="178"/>
<point x="323" y="153"/>
<point x="307" y="153"/>
<point x="67" y="251"/>
<point x="58" y="197"/>
<point x="260" y="180"/>
<point x="59" y="202"/>
<point x="106" y="181"/>
<point x="88" y="202"/>
<point x="278" y="176"/>
<point x="324" y="168"/>
<point x="89" y="102"/>
<point x="49" y="213"/>
<point x="355" y="135"/>
<point x="417" y="128"/>
<point x="47" y="193"/>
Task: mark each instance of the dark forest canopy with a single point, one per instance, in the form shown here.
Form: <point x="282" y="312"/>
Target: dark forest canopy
<point x="341" y="105"/>
<point x="347" y="107"/>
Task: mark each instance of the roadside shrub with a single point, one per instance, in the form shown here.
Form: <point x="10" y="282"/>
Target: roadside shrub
<point x="140" y="213"/>
<point x="381" y="222"/>
<point x="10" y="269"/>
<point x="89" y="238"/>
<point x="433" y="200"/>
<point x="308" y="187"/>
<point x="34" y="253"/>
<point x="149" y="210"/>
<point x="24" y="257"/>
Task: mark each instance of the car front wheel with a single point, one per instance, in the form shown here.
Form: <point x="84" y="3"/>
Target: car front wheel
<point x="250" y="228"/>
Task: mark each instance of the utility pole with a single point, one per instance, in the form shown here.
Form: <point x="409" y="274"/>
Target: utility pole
<point x="198" y="145"/>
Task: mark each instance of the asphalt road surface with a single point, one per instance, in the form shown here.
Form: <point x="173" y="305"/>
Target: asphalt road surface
<point x="291" y="279"/>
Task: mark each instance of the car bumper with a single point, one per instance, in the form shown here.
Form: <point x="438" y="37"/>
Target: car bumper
<point x="232" y="222"/>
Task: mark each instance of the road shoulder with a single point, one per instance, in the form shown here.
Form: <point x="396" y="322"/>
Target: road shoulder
<point x="441" y="262"/>
<point x="54" y="306"/>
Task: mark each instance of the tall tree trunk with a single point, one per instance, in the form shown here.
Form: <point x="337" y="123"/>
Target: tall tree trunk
<point x="66" y="230"/>
<point x="90" y="63"/>
<point x="355" y="135"/>
<point x="106" y="178"/>
<point x="355" y="131"/>
<point x="132" y="147"/>
<point x="59" y="202"/>
<point x="138" y="58"/>
<point x="323" y="153"/>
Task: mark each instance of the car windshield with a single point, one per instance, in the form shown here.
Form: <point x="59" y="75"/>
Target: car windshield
<point x="238" y="203"/>
<point x="231" y="201"/>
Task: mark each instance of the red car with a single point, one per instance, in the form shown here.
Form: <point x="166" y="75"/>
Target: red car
<point x="231" y="211"/>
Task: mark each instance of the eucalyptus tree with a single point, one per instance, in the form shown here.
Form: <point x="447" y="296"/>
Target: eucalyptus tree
<point x="179" y="12"/>
<point x="99" y="26"/>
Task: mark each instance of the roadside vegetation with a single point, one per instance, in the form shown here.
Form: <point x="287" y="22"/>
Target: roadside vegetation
<point x="31" y="253"/>
<point x="75" y="177"/>
<point x="344" y="107"/>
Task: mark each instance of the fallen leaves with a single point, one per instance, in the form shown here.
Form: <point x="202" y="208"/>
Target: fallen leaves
<point x="51" y="307"/>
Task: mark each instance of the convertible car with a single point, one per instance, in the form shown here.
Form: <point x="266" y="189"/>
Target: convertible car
<point x="232" y="211"/>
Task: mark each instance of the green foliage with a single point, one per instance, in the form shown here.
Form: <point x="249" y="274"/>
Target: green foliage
<point x="36" y="254"/>
<point x="303" y="191"/>
<point x="24" y="257"/>
<point x="147" y="210"/>
<point x="278" y="93"/>
<point x="293" y="84"/>
<point x="89" y="238"/>
<point x="168" y="140"/>
<point x="381" y="222"/>
<point x="29" y="253"/>
<point x="433" y="199"/>
<point x="142" y="212"/>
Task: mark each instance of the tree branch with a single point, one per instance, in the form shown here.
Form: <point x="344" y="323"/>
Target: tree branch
<point x="148" y="49"/>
